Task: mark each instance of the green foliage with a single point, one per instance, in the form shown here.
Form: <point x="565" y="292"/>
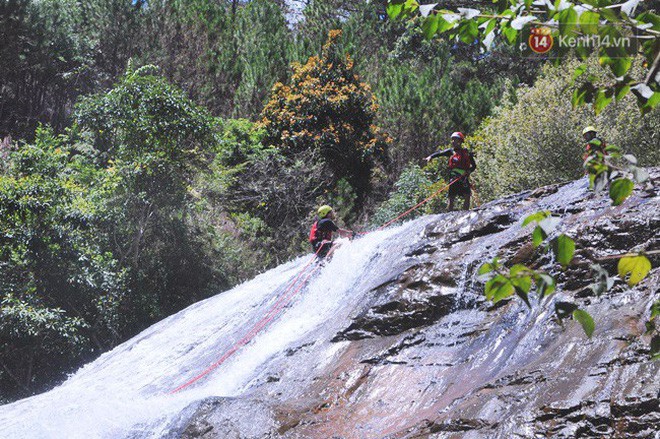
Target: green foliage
<point x="620" y="189"/>
<point x="611" y="163"/>
<point x="564" y="248"/>
<point x="326" y="110"/>
<point x="57" y="282"/>
<point x="146" y="120"/>
<point x="218" y="53"/>
<point x="634" y="267"/>
<point x="541" y="134"/>
<point x="564" y="310"/>
<point x="501" y="283"/>
<point x="585" y="320"/>
<point x="155" y="141"/>
<point x="53" y="51"/>
<point x="100" y="229"/>
<point x="412" y="186"/>
<point x="258" y="184"/>
<point x="514" y="19"/>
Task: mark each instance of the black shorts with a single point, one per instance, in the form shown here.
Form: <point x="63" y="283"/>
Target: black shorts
<point x="325" y="248"/>
<point x="460" y="188"/>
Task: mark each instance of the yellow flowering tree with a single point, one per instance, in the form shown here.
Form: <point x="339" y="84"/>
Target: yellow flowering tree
<point x="327" y="110"/>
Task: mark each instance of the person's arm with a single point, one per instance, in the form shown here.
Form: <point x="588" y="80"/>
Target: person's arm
<point x="332" y="227"/>
<point x="473" y="164"/>
<point x="345" y="233"/>
<point x="445" y="152"/>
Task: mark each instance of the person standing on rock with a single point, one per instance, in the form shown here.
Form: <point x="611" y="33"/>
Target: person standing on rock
<point x="321" y="234"/>
<point x="461" y="165"/>
<point x="594" y="144"/>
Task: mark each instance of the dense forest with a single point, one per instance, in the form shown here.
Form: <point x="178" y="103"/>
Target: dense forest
<point x="157" y="153"/>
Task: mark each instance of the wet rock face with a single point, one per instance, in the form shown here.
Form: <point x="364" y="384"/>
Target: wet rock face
<point x="424" y="355"/>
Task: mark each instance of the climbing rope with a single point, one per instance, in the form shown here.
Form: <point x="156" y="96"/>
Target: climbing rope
<point x="416" y="206"/>
<point x="289" y="293"/>
<point x="283" y="300"/>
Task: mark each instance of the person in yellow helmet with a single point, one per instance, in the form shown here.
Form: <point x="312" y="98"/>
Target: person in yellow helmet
<point x="594" y="143"/>
<point x="321" y="234"/>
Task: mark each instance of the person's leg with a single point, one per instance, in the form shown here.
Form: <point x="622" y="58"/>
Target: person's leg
<point x="450" y="206"/>
<point x="466" y="202"/>
<point x="333" y="248"/>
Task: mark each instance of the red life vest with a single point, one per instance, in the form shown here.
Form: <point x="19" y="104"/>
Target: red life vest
<point x="316" y="235"/>
<point x="460" y="160"/>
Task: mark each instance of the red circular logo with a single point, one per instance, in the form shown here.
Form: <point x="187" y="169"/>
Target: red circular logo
<point x="540" y="39"/>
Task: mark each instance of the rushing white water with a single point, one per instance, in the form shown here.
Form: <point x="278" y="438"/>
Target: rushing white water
<point x="128" y="389"/>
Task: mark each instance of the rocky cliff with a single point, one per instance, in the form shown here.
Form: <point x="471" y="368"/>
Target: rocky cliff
<point x="394" y="339"/>
<point x="423" y="354"/>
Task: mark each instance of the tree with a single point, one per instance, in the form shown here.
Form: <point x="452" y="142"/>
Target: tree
<point x="155" y="141"/>
<point x="59" y="287"/>
<point x="263" y="54"/>
<point x="541" y="133"/>
<point x="616" y="31"/>
<point x="328" y="110"/>
<point x="54" y="51"/>
<point x="224" y="56"/>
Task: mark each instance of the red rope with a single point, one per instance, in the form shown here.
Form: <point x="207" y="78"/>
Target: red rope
<point x="284" y="299"/>
<point x="416" y="206"/>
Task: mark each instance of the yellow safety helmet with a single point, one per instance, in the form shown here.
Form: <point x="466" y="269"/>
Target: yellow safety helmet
<point x="324" y="211"/>
<point x="588" y="129"/>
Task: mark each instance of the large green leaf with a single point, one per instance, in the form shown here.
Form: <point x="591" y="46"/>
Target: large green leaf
<point x="621" y="90"/>
<point x="545" y="284"/>
<point x="510" y="33"/>
<point x="655" y="347"/>
<point x="620" y="189"/>
<point x="589" y="22"/>
<point x="568" y="19"/>
<point x="521" y="278"/>
<point x="430" y="25"/>
<point x="579" y="71"/>
<point x="468" y="31"/>
<point x="538" y="236"/>
<point x="650" y="17"/>
<point x="585" y="320"/>
<point x="564" y="249"/>
<point x="394" y="8"/>
<point x="637" y="267"/>
<point x="601" y="101"/>
<point x="655" y="310"/>
<point x="499" y="288"/>
<point x="536" y="217"/>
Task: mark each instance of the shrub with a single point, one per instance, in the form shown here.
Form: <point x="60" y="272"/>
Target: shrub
<point x="414" y="185"/>
<point x="538" y="140"/>
<point x="59" y="287"/>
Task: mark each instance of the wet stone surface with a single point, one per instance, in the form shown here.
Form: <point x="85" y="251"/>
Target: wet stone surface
<point x="422" y="354"/>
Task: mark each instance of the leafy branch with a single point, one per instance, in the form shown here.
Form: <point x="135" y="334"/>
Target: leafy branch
<point x="611" y="166"/>
<point x="502" y="282"/>
<point x="627" y="33"/>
